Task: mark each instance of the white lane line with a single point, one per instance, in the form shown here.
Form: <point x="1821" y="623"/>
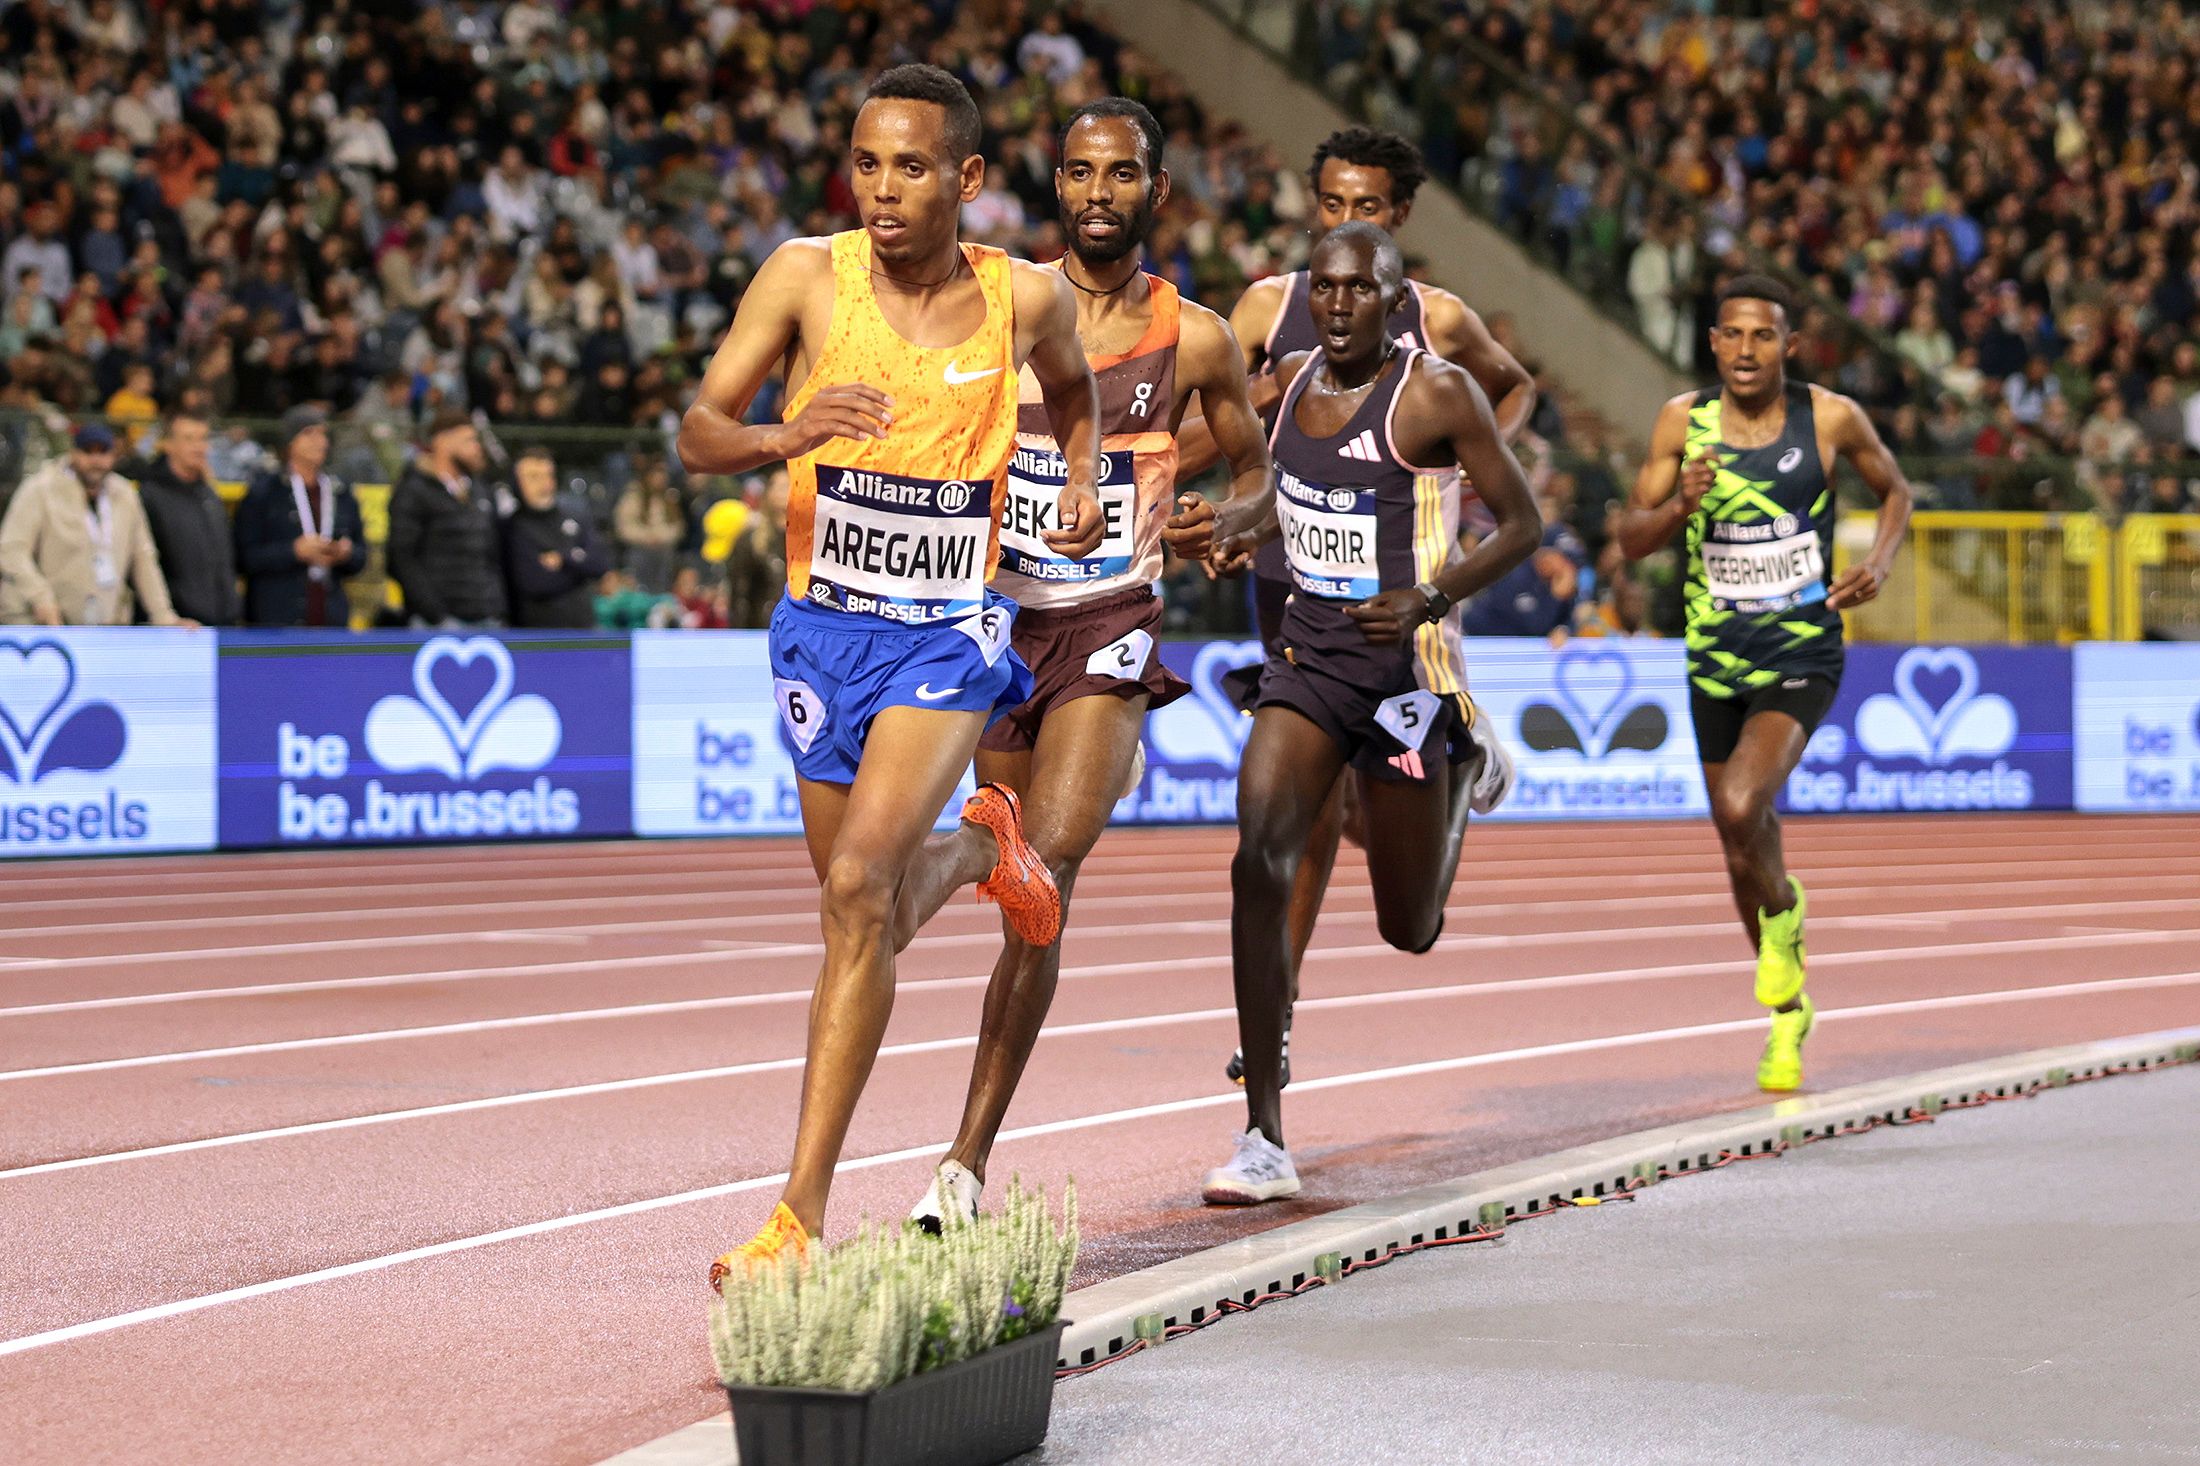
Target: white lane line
<point x="928" y="1046"/>
<point x="1172" y="964"/>
<point x="1344" y="910"/>
<point x="1484" y="877"/>
<point x="1344" y="901"/>
<point x="182" y="1306"/>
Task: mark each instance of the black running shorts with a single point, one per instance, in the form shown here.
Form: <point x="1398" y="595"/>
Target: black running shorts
<point x="1719" y="720"/>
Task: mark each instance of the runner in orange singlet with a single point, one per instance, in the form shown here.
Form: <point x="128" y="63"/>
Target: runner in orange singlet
<point x="902" y="348"/>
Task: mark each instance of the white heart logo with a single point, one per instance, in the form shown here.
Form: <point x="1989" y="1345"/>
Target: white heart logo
<point x="1931" y="721"/>
<point x="463" y="732"/>
<point x="35" y="681"/>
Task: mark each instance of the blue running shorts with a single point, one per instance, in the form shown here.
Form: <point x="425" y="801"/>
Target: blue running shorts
<point x="833" y="672"/>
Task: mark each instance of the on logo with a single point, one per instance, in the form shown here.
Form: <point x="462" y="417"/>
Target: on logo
<point x="40" y="733"/>
<point x="428" y="731"/>
<point x="1936" y="713"/>
<point x="1593" y="712"/>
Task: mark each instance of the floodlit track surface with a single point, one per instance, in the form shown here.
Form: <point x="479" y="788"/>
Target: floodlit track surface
<point x="421" y="1155"/>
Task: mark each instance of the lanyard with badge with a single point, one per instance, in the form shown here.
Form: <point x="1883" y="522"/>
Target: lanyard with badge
<point x="325" y="526"/>
<point x="99" y="524"/>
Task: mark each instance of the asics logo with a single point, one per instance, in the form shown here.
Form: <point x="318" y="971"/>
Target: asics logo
<point x="925" y="692"/>
<point x="1790" y="459"/>
<point x="956" y="377"/>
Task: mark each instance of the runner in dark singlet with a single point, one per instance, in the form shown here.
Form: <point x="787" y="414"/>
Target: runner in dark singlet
<point x="1367" y="175"/>
<point x="1747" y="467"/>
<point x="1369" y="441"/>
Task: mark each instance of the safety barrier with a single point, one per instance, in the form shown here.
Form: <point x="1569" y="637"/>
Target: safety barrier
<point x="2019" y="578"/>
<point x="137" y="739"/>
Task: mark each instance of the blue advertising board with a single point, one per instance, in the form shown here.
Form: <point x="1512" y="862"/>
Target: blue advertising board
<point x="1941" y="728"/>
<point x="119" y="739"/>
<point x="362" y="739"/>
<point x="106" y="740"/>
<point x="2138" y="726"/>
<point x="1599" y="729"/>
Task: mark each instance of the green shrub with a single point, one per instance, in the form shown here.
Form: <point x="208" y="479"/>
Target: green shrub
<point x="892" y="1302"/>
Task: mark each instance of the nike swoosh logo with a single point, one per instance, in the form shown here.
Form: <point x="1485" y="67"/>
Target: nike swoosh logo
<point x="956" y="378"/>
<point x="926" y="694"/>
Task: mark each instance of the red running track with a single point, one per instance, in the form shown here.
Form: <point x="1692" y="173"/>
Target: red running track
<point x="421" y="1155"/>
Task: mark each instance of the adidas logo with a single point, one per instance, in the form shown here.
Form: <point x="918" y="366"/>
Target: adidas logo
<point x="1362" y="448"/>
<point x="1409" y="763"/>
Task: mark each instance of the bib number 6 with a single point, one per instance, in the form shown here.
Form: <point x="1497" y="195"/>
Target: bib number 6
<point x="801" y="709"/>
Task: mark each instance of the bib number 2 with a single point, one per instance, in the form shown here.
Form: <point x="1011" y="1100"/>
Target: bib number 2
<point x="801" y="709"/>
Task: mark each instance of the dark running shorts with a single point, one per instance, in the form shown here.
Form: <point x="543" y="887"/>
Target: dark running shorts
<point x="1102" y="646"/>
<point x="1368" y="699"/>
<point x="1719" y="720"/>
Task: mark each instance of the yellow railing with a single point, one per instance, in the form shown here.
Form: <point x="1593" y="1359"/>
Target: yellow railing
<point x="2025" y="577"/>
<point x="2158" y="574"/>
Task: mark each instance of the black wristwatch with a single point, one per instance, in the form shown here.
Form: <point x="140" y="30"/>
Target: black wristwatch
<point x="1438" y="602"/>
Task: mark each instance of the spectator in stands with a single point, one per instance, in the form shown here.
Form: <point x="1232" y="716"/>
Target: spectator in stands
<point x="299" y="535"/>
<point x="1537" y="598"/>
<point x="756" y="566"/>
<point x="190" y="524"/>
<point x="551" y="553"/>
<point x="650" y="522"/>
<point x="444" y="551"/>
<point x="74" y="546"/>
<point x="132" y="404"/>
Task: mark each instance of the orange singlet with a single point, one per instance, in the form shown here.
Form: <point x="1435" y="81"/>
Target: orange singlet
<point x="905" y="527"/>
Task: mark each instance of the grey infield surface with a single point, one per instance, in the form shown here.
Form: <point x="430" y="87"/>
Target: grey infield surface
<point x="2017" y="1284"/>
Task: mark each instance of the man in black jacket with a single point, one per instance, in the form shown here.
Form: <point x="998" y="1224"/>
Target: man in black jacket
<point x="444" y="551"/>
<point x="190" y="524"/>
<point x="551" y="552"/>
<point x="299" y="535"/>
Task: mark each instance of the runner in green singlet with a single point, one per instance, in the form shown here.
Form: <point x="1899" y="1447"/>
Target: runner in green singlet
<point x="1747" y="467"/>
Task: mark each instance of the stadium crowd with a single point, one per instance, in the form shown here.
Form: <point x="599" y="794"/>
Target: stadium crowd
<point x="2008" y="198"/>
<point x="538" y="217"/>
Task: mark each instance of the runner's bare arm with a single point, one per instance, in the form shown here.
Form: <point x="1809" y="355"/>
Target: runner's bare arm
<point x="766" y="332"/>
<point x="1233" y="553"/>
<point x="1457" y="334"/>
<point x="1209" y="363"/>
<point x="1443" y="414"/>
<point x="1655" y="510"/>
<point x="1252" y="321"/>
<point x="1046" y="332"/>
<point x="1853" y="437"/>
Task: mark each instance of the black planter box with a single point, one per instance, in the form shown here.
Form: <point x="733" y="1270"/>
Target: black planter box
<point x="988" y="1408"/>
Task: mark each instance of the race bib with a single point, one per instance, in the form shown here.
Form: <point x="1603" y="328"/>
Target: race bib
<point x="1766" y="575"/>
<point x="1035" y="480"/>
<point x="989" y="629"/>
<point x="1125" y="659"/>
<point x="801" y="709"/>
<point x="1328" y="538"/>
<point x="1408" y="716"/>
<point x="909" y="549"/>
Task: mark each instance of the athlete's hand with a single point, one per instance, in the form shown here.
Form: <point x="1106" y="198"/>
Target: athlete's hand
<point x="851" y="410"/>
<point x="1230" y="554"/>
<point x="1191" y="530"/>
<point x="1388" y="619"/>
<point x="1856" y="585"/>
<point x="1698" y="474"/>
<point x="1083" y="526"/>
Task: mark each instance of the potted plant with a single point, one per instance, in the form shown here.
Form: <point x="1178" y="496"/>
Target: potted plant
<point x="898" y="1348"/>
